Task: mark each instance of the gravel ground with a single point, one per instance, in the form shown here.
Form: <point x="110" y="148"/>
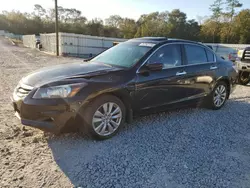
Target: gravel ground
<point x="182" y="148"/>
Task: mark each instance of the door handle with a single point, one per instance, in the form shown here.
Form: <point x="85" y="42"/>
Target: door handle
<point x="181" y="73"/>
<point x="213" y="67"/>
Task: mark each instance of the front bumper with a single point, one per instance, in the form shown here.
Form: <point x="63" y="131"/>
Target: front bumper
<point x="48" y="116"/>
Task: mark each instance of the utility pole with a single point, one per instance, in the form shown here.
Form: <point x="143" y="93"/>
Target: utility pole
<point x="56" y="28"/>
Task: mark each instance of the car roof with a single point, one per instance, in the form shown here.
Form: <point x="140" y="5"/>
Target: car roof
<point x="157" y="40"/>
<point x="152" y="39"/>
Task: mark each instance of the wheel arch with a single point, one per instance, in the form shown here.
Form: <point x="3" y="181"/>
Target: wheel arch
<point x="127" y="101"/>
<point x="122" y="94"/>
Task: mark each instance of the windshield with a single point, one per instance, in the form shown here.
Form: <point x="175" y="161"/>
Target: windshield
<point x="123" y="55"/>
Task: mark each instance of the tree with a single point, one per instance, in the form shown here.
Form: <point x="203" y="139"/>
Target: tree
<point x="95" y="27"/>
<point x="153" y="24"/>
<point x="39" y="10"/>
<point x="231" y="6"/>
<point x="242" y="26"/>
<point x="177" y="24"/>
<point x="67" y="15"/>
<point x="192" y="30"/>
<point x="113" y="21"/>
<point x="3" y="22"/>
<point x="217" y="11"/>
<point x="207" y="31"/>
<point x="225" y="24"/>
<point x="128" y="28"/>
<point x="201" y="19"/>
<point x="17" y="22"/>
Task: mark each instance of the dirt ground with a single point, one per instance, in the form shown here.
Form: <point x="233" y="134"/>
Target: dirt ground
<point x="25" y="159"/>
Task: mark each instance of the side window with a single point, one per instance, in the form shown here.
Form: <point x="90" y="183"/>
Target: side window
<point x="195" y="54"/>
<point x="169" y="56"/>
<point x="210" y="56"/>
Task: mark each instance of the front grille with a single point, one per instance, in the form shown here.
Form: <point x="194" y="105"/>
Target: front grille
<point x="246" y="55"/>
<point x="22" y="90"/>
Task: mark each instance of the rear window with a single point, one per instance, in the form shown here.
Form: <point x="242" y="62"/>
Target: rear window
<point x="195" y="54"/>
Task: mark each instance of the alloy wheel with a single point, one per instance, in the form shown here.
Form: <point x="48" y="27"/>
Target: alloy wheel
<point x="107" y="119"/>
<point x="220" y="95"/>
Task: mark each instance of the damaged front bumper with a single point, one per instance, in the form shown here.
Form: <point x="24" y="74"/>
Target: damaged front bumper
<point x="46" y="114"/>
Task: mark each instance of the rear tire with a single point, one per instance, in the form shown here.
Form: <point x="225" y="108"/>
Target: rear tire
<point x="244" y="78"/>
<point x="218" y="96"/>
<point x="103" y="117"/>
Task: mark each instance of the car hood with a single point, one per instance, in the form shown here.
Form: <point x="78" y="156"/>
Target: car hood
<point x="54" y="73"/>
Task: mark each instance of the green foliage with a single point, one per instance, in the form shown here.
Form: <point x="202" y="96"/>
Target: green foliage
<point x="216" y="9"/>
<point x="225" y="24"/>
<point x="113" y="21"/>
<point x="154" y="24"/>
<point x="242" y="26"/>
<point x="231" y="7"/>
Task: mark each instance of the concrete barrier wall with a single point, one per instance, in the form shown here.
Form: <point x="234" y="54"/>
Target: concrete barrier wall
<point x="71" y="44"/>
<point x="77" y="45"/>
<point x="2" y="32"/>
<point x="48" y="42"/>
<point x="232" y="46"/>
<point x="84" y="45"/>
<point x="13" y="36"/>
<point x="29" y="41"/>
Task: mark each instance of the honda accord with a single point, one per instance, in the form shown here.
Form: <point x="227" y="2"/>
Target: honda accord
<point x="139" y="76"/>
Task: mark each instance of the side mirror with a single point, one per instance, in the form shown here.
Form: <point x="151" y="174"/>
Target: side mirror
<point x="151" y="67"/>
<point x="222" y="58"/>
<point x="89" y="58"/>
<point x="155" y="66"/>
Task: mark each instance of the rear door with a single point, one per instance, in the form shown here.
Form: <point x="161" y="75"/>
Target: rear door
<point x="160" y="88"/>
<point x="201" y="69"/>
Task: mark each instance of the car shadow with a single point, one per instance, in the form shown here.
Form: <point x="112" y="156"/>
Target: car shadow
<point x="181" y="148"/>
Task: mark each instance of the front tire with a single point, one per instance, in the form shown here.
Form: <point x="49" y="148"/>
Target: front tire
<point x="103" y="117"/>
<point x="244" y="78"/>
<point x="218" y="96"/>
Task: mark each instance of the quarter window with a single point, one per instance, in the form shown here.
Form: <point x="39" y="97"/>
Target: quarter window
<point x="195" y="54"/>
<point x="169" y="56"/>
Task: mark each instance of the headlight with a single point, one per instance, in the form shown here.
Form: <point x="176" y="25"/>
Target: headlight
<point x="62" y="91"/>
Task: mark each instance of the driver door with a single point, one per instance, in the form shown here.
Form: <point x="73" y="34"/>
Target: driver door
<point x="166" y="86"/>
